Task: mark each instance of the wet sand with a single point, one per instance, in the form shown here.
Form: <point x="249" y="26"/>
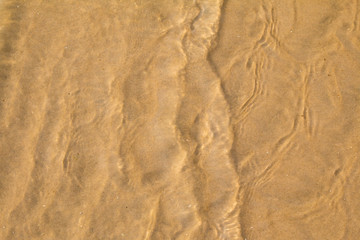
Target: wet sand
<point x="192" y="119"/>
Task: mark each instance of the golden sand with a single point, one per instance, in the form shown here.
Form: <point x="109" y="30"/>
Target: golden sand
<point x="183" y="119"/>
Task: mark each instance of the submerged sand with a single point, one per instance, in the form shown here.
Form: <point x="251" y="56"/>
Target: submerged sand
<point x="192" y="119"/>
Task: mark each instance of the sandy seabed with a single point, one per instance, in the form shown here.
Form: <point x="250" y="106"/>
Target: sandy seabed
<point x="181" y="119"/>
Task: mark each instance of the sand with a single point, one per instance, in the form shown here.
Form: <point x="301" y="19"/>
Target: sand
<point x="191" y="119"/>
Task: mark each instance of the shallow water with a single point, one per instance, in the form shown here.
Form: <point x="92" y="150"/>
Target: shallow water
<point x="197" y="119"/>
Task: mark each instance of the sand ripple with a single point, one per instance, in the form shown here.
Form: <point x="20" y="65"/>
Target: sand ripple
<point x="194" y="119"/>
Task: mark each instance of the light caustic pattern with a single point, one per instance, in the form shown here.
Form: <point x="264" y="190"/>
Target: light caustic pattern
<point x="193" y="119"/>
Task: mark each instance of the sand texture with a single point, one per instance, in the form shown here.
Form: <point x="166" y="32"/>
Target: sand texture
<point x="179" y="119"/>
